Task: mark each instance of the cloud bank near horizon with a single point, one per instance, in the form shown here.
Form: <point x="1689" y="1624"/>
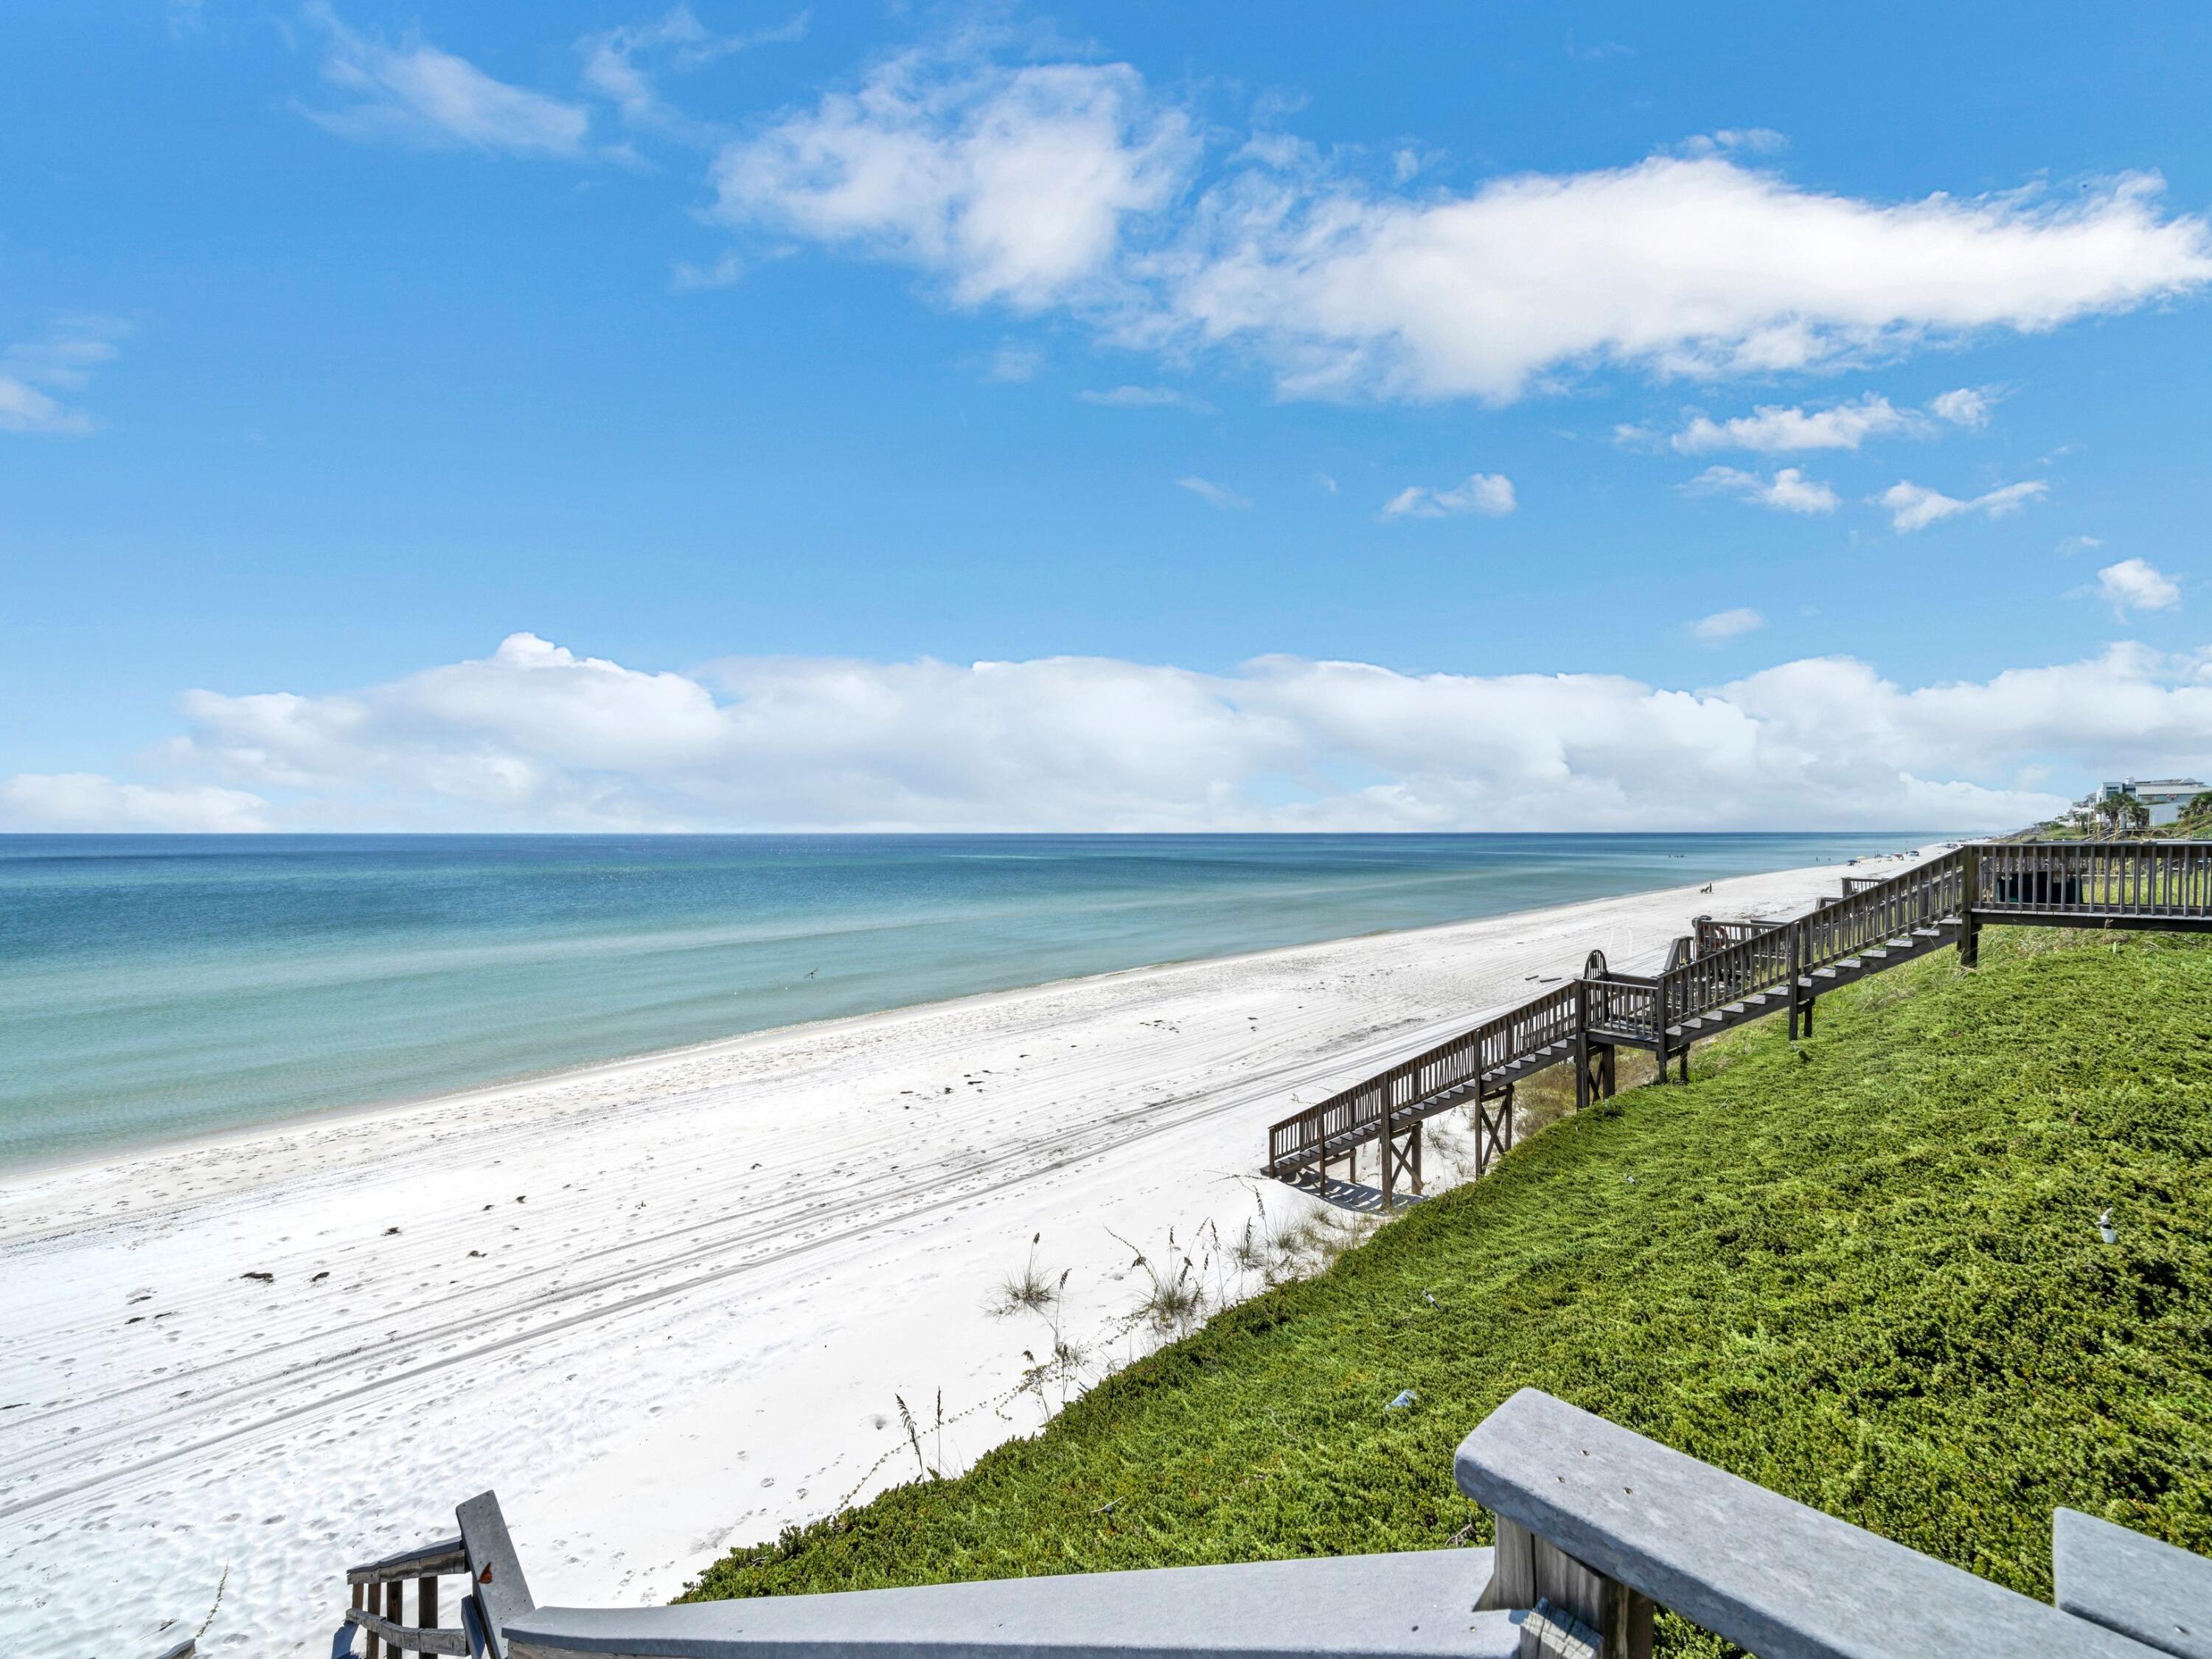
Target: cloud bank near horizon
<point x="535" y="737"/>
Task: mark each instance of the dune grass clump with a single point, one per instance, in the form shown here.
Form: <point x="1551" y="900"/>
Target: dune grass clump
<point x="1032" y="1289"/>
<point x="1864" y="1270"/>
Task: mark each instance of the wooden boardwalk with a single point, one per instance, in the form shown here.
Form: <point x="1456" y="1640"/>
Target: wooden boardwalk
<point x="1725" y="972"/>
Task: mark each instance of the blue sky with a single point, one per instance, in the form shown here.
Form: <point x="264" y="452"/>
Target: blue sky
<point x="1423" y="416"/>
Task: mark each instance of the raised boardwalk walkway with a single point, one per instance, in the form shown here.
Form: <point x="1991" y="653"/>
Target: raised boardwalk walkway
<point x="1728" y="972"/>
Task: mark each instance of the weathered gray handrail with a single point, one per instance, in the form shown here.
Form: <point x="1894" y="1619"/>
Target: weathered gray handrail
<point x="2141" y="1587"/>
<point x="384" y="1581"/>
<point x="1594" y="1526"/>
<point x="1773" y="1576"/>
<point x="1543" y="1022"/>
<point x="1413" y="1606"/>
<point x="2096" y="881"/>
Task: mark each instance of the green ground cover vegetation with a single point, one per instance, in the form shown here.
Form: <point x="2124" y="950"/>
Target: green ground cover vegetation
<point x="1863" y="1270"/>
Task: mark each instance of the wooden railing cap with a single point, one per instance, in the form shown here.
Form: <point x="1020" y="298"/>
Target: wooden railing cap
<point x="1412" y="1605"/>
<point x="1773" y="1576"/>
<point x="427" y="1561"/>
<point x="2141" y="1587"/>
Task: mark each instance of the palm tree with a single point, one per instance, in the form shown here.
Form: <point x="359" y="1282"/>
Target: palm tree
<point x="2138" y="815"/>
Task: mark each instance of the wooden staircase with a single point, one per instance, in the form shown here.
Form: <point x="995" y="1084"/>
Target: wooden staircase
<point x="1891" y="953"/>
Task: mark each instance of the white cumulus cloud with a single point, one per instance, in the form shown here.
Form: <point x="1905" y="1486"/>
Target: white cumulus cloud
<point x="1076" y="184"/>
<point x="1490" y="494"/>
<point x="2132" y="585"/>
<point x="1774" y="428"/>
<point x="1915" y="507"/>
<point x="1788" y="491"/>
<point x="1678" y="266"/>
<point x="1724" y="625"/>
<point x="1964" y="407"/>
<point x="536" y="736"/>
<point x="1011" y="184"/>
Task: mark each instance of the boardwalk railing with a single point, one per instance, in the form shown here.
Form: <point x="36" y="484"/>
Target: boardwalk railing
<point x="2086" y="882"/>
<point x="1597" y="1528"/>
<point x="1708" y="935"/>
<point x="1725" y="972"/>
<point x="380" y="1587"/>
<point x="1447" y="1070"/>
<point x="492" y="1588"/>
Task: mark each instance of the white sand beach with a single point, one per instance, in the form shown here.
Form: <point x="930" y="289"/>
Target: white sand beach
<point x="664" y="1306"/>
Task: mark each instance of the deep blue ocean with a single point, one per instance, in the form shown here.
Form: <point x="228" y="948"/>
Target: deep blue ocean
<point x="158" y="986"/>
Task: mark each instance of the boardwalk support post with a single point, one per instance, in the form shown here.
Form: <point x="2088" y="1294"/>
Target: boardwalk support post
<point x="1970" y="894"/>
<point x="1797" y="977"/>
<point x="1582" y="1042"/>
<point x="1388" y="1196"/>
<point x="1581" y="1610"/>
<point x="1659" y="1027"/>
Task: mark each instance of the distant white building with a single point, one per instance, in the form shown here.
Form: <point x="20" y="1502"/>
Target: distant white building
<point x="2164" y="797"/>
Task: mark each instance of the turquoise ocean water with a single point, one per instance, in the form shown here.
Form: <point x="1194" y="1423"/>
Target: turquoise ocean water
<point x="153" y="987"/>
